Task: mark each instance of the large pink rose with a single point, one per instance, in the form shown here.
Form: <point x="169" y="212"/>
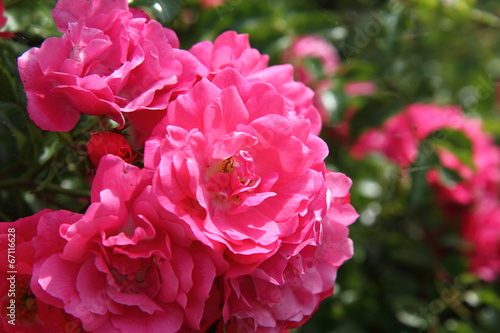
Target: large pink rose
<point x="233" y="50"/>
<point x="239" y="170"/>
<point x="125" y="266"/>
<point x="284" y="291"/>
<point x="107" y="62"/>
<point x="21" y="311"/>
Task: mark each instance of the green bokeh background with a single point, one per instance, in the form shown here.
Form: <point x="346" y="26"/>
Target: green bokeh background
<point x="408" y="273"/>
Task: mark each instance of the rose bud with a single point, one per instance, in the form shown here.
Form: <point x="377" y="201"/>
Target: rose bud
<point x="102" y="143"/>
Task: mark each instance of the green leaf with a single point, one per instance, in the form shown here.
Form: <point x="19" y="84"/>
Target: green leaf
<point x="449" y="177"/>
<point x="456" y="142"/>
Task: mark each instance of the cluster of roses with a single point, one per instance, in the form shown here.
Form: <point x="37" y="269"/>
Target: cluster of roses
<point x="233" y="224"/>
<point x="409" y="138"/>
<point x="473" y="198"/>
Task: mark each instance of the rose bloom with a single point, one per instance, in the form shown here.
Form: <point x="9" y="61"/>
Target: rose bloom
<point x="244" y="174"/>
<point x="124" y="266"/>
<point x="107" y="62"/>
<point x="284" y="291"/>
<point x="30" y="313"/>
<point x="233" y="50"/>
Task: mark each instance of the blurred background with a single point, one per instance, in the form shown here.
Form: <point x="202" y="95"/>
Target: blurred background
<point x="367" y="60"/>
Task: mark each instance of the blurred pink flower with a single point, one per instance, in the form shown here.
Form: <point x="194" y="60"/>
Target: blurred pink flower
<point x="30" y="314"/>
<point x="212" y="3"/>
<point x="285" y="290"/>
<point x="246" y="176"/>
<point x="400" y="135"/>
<point x="3" y="20"/>
<point x="482" y="230"/>
<point x="469" y="199"/>
<point x="360" y="88"/>
<point x="107" y="62"/>
<point x="233" y="50"/>
<point x="125" y="266"/>
<point x="315" y="47"/>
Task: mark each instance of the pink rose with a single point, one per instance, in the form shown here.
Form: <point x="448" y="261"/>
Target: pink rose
<point x="233" y="50"/>
<point x="284" y="291"/>
<point x="18" y="249"/>
<point x="107" y="62"/>
<point x="125" y="266"/>
<point x="245" y="176"/>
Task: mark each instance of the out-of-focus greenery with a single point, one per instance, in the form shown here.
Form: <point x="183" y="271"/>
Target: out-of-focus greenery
<point x="407" y="274"/>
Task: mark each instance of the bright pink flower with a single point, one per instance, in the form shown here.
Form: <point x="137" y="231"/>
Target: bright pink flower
<point x="482" y="231"/>
<point x="244" y="175"/>
<point x="3" y="20"/>
<point x="125" y="266"/>
<point x="107" y="62"/>
<point x="233" y="50"/>
<point x="30" y="314"/>
<point x="284" y="291"/>
<point x="103" y="143"/>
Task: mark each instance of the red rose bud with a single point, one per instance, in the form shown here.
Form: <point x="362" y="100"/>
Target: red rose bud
<point x="102" y="143"/>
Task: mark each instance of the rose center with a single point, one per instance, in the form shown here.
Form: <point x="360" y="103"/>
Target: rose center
<point x="232" y="178"/>
<point x="77" y="53"/>
<point x="132" y="283"/>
